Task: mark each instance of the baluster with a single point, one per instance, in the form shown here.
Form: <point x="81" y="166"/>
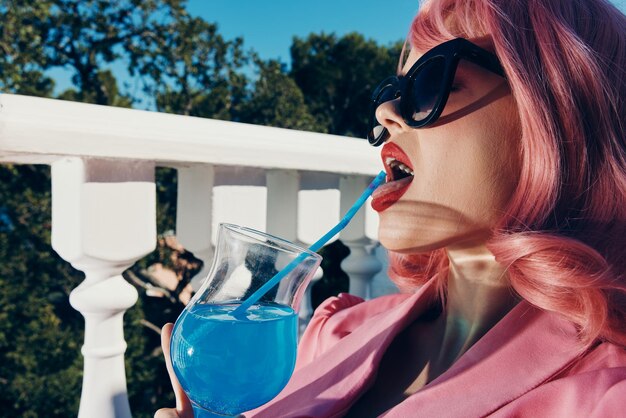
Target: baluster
<point x="282" y="203"/>
<point x="239" y="197"/>
<point x="381" y="283"/>
<point x="361" y="265"/>
<point x="103" y="220"/>
<point x="306" y="307"/>
<point x="194" y="211"/>
<point x="282" y="221"/>
<point x="318" y="209"/>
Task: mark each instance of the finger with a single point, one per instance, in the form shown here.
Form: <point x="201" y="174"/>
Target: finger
<point x="166" y="413"/>
<point x="183" y="405"/>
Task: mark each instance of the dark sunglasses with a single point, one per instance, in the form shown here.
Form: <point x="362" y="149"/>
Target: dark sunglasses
<point x="425" y="88"/>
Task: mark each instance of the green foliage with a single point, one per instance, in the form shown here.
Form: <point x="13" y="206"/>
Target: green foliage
<point x="193" y="70"/>
<point x="166" y="183"/>
<point x="108" y="84"/>
<point x="337" y="76"/>
<point x="186" y="67"/>
<point x="87" y="35"/>
<point x="22" y="57"/>
<point x="40" y="334"/>
<point x="277" y="101"/>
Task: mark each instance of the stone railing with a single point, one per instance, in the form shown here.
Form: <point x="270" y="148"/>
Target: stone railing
<point x="290" y="183"/>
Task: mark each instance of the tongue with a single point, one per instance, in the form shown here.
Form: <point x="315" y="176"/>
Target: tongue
<point x="392" y="186"/>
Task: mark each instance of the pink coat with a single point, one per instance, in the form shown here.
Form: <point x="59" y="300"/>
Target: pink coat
<point x="528" y="365"/>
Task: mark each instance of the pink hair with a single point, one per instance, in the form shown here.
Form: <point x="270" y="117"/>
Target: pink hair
<point x="563" y="234"/>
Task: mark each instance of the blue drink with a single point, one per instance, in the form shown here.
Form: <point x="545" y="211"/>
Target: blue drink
<point x="229" y="364"/>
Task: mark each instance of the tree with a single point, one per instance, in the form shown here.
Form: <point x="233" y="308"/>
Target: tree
<point x="192" y="70"/>
<point x="85" y="36"/>
<point x="21" y="48"/>
<point x="276" y="100"/>
<point x="337" y="77"/>
<point x="108" y="83"/>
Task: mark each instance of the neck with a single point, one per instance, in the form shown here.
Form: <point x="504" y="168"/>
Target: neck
<point x="478" y="296"/>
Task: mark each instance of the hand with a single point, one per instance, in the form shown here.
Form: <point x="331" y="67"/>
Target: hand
<point x="183" y="405"/>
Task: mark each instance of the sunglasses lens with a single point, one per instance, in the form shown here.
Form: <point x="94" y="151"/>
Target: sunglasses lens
<point x="377" y="135"/>
<point x="386" y="92"/>
<point x="426" y="89"/>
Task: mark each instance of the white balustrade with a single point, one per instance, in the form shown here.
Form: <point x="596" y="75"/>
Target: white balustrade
<point x="361" y="265"/>
<point x="239" y="197"/>
<point x="282" y="203"/>
<point x="103" y="220"/>
<point x="318" y="207"/>
<point x="282" y="221"/>
<point x="194" y="210"/>
<point x="294" y="184"/>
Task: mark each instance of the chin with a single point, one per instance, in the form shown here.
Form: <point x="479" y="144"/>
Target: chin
<point x="410" y="240"/>
<point x="418" y="235"/>
<point x="405" y="246"/>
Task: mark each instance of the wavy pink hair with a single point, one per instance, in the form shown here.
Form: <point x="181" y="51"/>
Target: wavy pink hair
<point x="563" y="235"/>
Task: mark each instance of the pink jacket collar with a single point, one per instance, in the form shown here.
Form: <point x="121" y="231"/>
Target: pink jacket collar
<point x="526" y="348"/>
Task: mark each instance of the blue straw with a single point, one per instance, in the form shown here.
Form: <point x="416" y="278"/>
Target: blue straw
<point x="380" y="179"/>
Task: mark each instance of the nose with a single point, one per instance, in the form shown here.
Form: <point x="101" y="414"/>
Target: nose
<point x="388" y="115"/>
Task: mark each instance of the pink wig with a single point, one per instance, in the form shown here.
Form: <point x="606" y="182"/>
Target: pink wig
<point x="563" y="234"/>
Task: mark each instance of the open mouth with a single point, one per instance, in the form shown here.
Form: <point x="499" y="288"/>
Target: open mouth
<point x="400" y="174"/>
<point x="397" y="170"/>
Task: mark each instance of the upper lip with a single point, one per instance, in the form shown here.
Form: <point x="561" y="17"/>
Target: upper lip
<point x="395" y="161"/>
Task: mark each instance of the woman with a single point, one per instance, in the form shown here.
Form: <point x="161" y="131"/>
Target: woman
<point x="505" y="217"/>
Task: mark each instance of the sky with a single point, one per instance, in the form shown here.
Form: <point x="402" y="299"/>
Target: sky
<point x="268" y="26"/>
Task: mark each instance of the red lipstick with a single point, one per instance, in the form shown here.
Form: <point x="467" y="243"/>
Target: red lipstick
<point x="399" y="177"/>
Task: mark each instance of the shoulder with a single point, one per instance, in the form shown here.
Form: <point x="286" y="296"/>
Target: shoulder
<point x="593" y="386"/>
<point x="599" y="380"/>
<point x="337" y="317"/>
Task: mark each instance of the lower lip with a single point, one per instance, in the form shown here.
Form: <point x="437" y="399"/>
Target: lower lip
<point x="389" y="193"/>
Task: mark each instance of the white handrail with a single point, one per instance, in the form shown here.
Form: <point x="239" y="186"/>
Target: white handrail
<point x="44" y="128"/>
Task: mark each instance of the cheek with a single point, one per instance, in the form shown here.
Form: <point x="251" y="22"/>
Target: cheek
<point x="502" y="153"/>
<point x="484" y="170"/>
<point x="466" y="173"/>
<point x="458" y="173"/>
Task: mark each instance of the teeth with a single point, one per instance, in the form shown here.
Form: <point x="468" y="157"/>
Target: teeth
<point x="405" y="169"/>
<point x="393" y="163"/>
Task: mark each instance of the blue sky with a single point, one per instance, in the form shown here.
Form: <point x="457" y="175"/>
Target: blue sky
<point x="268" y="26"/>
